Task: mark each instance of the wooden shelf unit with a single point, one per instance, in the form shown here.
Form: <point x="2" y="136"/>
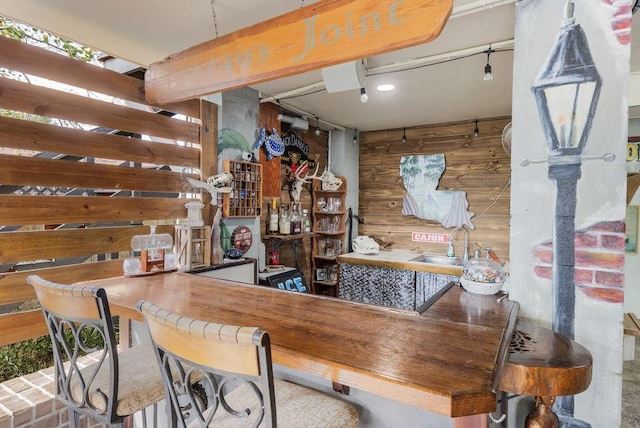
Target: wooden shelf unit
<point x="245" y="200"/>
<point x="329" y="228"/>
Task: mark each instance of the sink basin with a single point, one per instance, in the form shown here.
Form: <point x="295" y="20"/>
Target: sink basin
<point x="438" y="260"/>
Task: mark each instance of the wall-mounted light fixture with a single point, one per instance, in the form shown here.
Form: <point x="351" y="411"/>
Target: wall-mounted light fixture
<point x="488" y="74"/>
<point x="404" y="136"/>
<point x="476" y="131"/>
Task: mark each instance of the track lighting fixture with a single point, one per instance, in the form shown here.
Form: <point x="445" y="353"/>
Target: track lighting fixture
<point x="488" y="75"/>
<point x="363" y="95"/>
<point x="404" y="136"/>
<point x="476" y="131"/>
<point x="317" y="131"/>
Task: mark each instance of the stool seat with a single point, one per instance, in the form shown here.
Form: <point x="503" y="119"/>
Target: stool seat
<point x="544" y="364"/>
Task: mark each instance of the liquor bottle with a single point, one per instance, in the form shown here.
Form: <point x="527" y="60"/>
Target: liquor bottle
<point x="295" y="220"/>
<point x="273" y="218"/>
<point x="285" y="225"/>
<point x="306" y="221"/>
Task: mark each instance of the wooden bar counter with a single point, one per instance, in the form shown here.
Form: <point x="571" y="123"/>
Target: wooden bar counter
<point x="447" y="360"/>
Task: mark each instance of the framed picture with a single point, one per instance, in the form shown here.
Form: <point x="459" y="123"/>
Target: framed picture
<point x="631" y="222"/>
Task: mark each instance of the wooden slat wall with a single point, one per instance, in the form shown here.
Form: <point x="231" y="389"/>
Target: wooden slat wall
<point x="145" y="175"/>
<point x="479" y="166"/>
<point x="18" y="56"/>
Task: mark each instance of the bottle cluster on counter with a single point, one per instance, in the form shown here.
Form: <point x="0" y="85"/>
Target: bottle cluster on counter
<point x="288" y="220"/>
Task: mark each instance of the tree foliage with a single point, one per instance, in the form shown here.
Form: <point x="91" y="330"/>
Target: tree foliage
<point x="15" y="30"/>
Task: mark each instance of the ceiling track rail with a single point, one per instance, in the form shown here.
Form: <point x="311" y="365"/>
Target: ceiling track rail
<point x="458" y="11"/>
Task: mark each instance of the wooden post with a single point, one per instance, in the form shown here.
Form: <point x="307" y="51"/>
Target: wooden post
<point x="209" y="152"/>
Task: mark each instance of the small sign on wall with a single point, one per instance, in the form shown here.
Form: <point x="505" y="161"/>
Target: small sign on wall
<point x="430" y="237"/>
<point x="633" y="155"/>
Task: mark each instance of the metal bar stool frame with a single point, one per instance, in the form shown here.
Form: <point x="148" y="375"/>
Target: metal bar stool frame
<point x="71" y="313"/>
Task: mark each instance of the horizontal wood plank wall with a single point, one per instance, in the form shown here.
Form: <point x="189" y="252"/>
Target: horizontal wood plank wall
<point x="80" y="174"/>
<point x="478" y="166"/>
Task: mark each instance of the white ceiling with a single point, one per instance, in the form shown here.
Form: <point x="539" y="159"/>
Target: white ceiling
<point x="145" y="31"/>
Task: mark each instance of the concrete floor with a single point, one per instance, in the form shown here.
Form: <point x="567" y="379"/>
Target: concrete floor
<point x="631" y="391"/>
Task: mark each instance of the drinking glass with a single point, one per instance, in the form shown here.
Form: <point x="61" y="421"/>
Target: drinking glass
<point x="330" y="206"/>
<point x="322" y="245"/>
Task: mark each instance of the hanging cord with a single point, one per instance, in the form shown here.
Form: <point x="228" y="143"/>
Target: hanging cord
<point x="495" y="200"/>
<point x="301" y="3"/>
<point x="215" y="16"/>
<point x="504" y="415"/>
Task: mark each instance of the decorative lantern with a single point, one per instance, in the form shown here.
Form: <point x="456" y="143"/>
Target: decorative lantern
<point x="567" y="91"/>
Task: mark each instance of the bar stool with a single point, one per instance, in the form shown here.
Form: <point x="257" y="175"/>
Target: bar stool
<point x="544" y="364"/>
<point x="115" y="387"/>
<point x="235" y="366"/>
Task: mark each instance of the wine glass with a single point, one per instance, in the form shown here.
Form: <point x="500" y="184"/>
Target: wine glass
<point x="321" y="203"/>
<point x="336" y="203"/>
<point x="330" y="207"/>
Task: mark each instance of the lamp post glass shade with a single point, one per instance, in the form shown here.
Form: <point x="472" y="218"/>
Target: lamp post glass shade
<point x="567" y="90"/>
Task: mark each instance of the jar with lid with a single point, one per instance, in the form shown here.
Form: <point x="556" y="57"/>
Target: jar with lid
<point x="482" y="275"/>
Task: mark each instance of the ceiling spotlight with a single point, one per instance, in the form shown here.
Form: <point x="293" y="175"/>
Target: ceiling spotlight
<point x="488" y="75"/>
<point x="317" y="131"/>
<point x="404" y="136"/>
<point x="385" y="87"/>
<point x="476" y="131"/>
<point x="363" y="95"/>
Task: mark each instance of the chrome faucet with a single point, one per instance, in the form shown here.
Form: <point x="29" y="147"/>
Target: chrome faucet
<point x="450" y="251"/>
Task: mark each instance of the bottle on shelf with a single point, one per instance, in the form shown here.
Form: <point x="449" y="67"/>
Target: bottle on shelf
<point x="295" y="220"/>
<point x="285" y="224"/>
<point x="306" y="221"/>
<point x="272" y="229"/>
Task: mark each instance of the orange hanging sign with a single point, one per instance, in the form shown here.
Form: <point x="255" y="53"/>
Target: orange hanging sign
<point x="319" y="35"/>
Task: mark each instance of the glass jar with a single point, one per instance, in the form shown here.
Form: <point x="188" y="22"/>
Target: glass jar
<point x="152" y="241"/>
<point x="482" y="275"/>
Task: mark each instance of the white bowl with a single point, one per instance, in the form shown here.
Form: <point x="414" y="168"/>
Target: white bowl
<point x="476" y="287"/>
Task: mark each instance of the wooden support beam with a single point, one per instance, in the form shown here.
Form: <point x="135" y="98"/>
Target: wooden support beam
<point x="315" y="36"/>
<point x="208" y="153"/>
